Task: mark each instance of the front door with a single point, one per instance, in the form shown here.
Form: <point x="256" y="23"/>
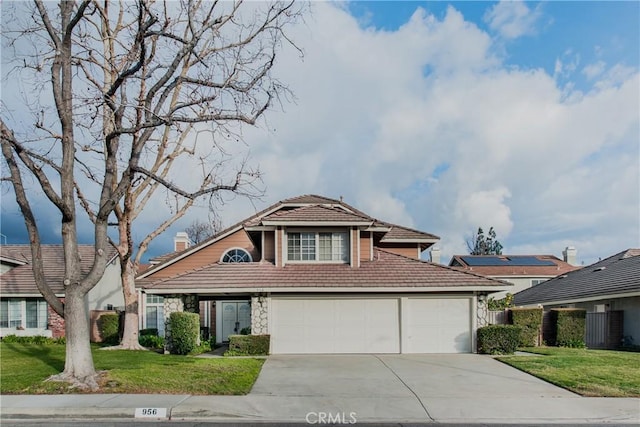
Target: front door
<point x="236" y="315"/>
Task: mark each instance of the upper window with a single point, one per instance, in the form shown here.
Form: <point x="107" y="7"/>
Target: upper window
<point x="236" y="255"/>
<point x="317" y="247"/>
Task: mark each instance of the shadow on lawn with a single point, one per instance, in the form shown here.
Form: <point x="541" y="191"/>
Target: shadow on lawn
<point x="43" y="353"/>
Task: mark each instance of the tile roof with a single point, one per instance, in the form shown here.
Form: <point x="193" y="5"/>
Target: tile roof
<point x="387" y="270"/>
<point x="618" y="274"/>
<point x="514" y="268"/>
<point x="317" y="213"/>
<point x="297" y="207"/>
<point x="20" y="280"/>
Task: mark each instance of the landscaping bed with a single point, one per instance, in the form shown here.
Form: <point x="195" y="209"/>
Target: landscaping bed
<point x="24" y="367"/>
<point x="586" y="372"/>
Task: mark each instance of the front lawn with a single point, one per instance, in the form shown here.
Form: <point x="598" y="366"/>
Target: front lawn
<point x="23" y="367"/>
<point x="586" y="372"/>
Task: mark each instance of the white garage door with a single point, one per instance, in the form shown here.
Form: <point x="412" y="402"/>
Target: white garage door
<point x="439" y="325"/>
<point x="365" y="325"/>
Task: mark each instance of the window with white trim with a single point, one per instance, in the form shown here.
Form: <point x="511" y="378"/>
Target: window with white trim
<point x="537" y="281"/>
<point x="236" y="255"/>
<point x="318" y="246"/>
<point x="23" y="313"/>
<point x="154" y="313"/>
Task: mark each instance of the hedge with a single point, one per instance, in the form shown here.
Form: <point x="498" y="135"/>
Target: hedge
<point x="249" y="345"/>
<point x="109" y="327"/>
<point x="530" y="320"/>
<point x="498" y="339"/>
<point x="185" y="332"/>
<point x="570" y="324"/>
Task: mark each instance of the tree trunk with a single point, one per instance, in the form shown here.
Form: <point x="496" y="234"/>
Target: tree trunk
<point x="130" y="335"/>
<point x="78" y="365"/>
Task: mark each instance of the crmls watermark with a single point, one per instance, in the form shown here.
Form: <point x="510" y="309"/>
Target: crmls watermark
<point x="331" y="418"/>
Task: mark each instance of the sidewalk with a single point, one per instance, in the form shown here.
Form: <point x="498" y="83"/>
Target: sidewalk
<point x="300" y="409"/>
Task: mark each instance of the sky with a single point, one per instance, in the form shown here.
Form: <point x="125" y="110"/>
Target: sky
<point x="449" y="116"/>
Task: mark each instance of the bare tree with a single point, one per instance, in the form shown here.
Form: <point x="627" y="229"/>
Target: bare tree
<point x="134" y="86"/>
<point x="199" y="231"/>
<point x="479" y="244"/>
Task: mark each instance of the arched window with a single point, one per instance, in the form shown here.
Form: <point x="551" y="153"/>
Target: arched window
<point x="236" y="255"/>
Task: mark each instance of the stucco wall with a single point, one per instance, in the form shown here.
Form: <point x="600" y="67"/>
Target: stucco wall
<point x="108" y="290"/>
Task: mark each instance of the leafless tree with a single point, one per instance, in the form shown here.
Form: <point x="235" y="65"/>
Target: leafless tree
<point x="199" y="231"/>
<point x="134" y="86"/>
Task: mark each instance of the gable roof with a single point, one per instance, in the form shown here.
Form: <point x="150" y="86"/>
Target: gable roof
<point x="306" y="209"/>
<point x="386" y="270"/>
<point x="618" y="274"/>
<point x="512" y="265"/>
<point x="20" y="280"/>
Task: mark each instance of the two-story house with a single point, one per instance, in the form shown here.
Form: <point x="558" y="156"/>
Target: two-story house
<point x="320" y="276"/>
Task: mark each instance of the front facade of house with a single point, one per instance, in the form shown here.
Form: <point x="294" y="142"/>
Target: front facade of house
<point x="524" y="271"/>
<point x="320" y="276"/>
<point x="23" y="310"/>
<point x="611" y="285"/>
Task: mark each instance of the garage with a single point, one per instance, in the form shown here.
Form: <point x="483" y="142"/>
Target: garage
<point x="370" y="325"/>
<point x="345" y="325"/>
<point x="438" y="325"/>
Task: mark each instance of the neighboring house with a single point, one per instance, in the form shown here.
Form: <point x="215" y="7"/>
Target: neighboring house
<point x="320" y="276"/>
<point x="524" y="271"/>
<point x="609" y="285"/>
<point x="23" y="310"/>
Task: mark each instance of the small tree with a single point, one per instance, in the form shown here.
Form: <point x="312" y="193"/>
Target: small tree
<point x="199" y="231"/>
<point x="479" y="244"/>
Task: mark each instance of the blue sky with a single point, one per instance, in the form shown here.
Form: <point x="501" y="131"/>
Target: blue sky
<point x="448" y="116"/>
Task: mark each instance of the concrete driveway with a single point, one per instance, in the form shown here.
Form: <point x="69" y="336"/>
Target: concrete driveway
<point x="422" y="388"/>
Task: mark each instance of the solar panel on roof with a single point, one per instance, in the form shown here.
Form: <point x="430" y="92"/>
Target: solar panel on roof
<point x="504" y="261"/>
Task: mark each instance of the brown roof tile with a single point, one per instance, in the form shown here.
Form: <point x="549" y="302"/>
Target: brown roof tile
<point x="20" y="280"/>
<point x="387" y="270"/>
<point x="559" y="267"/>
<point x="316" y="213"/>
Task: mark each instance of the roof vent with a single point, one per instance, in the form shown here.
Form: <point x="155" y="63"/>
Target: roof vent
<point x="600" y="268"/>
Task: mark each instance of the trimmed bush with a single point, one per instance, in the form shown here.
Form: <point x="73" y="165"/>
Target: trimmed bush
<point x="570" y="326"/>
<point x="148" y="331"/>
<point x="34" y="339"/>
<point x="185" y="332"/>
<point x="498" y="339"/>
<point x="109" y="327"/>
<point x="151" y="341"/>
<point x="249" y="345"/>
<point x="245" y="331"/>
<point x="530" y="320"/>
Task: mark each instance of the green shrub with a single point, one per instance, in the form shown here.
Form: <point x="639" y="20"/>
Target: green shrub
<point x="204" y="347"/>
<point x="35" y="339"/>
<point x="151" y="341"/>
<point x="212" y="342"/>
<point x="498" y="339"/>
<point x="108" y="327"/>
<point x="245" y="331"/>
<point x="185" y="332"/>
<point x="570" y="326"/>
<point x="148" y="331"/>
<point x="248" y="345"/>
<point x="530" y="320"/>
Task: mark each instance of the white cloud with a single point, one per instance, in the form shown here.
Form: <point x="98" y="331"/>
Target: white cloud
<point x="512" y="19"/>
<point x="592" y="71"/>
<point x="378" y="112"/>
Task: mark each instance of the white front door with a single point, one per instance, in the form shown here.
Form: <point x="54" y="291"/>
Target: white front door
<point x="236" y="315"/>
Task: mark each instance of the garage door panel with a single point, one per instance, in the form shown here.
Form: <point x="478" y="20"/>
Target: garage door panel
<point x="438" y="325"/>
<point x="335" y="326"/>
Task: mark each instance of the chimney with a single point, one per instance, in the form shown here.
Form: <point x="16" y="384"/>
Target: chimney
<point x="435" y="255"/>
<point x="570" y="255"/>
<point x="181" y="241"/>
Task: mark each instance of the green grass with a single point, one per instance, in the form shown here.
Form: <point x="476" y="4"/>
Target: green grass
<point x="586" y="372"/>
<point x="24" y="367"/>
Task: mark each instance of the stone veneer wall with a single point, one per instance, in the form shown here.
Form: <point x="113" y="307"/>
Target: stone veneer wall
<point x="173" y="303"/>
<point x="259" y="316"/>
<point x="482" y="311"/>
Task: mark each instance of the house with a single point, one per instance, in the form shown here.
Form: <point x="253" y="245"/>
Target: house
<point x="320" y="276"/>
<point x="608" y="286"/>
<point x="23" y="310"/>
<point x="524" y="271"/>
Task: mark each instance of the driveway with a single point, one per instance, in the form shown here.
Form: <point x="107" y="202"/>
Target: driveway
<point x="419" y="387"/>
